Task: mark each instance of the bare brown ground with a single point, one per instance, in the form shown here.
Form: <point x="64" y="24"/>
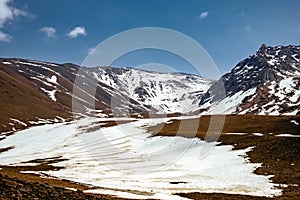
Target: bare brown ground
<point x="17" y="185"/>
<point x="21" y="99"/>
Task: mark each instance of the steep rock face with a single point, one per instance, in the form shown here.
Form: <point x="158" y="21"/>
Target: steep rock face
<point x="264" y="83"/>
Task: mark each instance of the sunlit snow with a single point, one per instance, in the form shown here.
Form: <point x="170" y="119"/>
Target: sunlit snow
<point x="51" y="93"/>
<point x="123" y="159"/>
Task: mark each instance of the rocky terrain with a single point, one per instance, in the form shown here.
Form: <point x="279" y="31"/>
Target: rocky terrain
<point x="264" y="83"/>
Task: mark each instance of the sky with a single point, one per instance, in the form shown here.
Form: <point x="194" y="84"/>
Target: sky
<point x="66" y="31"/>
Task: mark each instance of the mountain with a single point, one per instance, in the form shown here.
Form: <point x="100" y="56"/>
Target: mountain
<point x="43" y="92"/>
<point x="35" y="92"/>
<point x="267" y="82"/>
<point x="22" y="104"/>
<point x="163" y="92"/>
<point x="69" y="85"/>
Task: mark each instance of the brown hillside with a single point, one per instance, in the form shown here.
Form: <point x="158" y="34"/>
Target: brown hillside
<point x="20" y="99"/>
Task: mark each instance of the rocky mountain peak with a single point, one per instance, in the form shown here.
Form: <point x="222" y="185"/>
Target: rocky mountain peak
<point x="268" y="66"/>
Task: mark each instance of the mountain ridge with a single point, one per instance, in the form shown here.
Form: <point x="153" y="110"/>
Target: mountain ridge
<point x="267" y="82"/>
<point x="256" y="73"/>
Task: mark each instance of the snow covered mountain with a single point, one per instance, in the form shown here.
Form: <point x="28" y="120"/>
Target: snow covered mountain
<point x="101" y="91"/>
<point x="164" y="92"/>
<point x="267" y="82"/>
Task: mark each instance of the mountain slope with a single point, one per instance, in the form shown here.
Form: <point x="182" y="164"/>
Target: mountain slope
<point x="78" y="92"/>
<point x="267" y="82"/>
<point x="23" y="104"/>
<point x="49" y="90"/>
<point x="164" y="92"/>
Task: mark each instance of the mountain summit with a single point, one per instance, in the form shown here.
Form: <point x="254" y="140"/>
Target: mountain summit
<point x="264" y="83"/>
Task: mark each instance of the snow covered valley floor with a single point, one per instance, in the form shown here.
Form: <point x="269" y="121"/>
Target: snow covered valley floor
<point x="124" y="161"/>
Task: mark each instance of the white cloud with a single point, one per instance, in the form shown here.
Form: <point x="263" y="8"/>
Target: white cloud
<point x="79" y="30"/>
<point x="203" y="15"/>
<point x="8" y="12"/>
<point x="49" y="31"/>
<point x="5" y="37"/>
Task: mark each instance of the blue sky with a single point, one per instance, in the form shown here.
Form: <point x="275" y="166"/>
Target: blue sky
<point x="65" y="30"/>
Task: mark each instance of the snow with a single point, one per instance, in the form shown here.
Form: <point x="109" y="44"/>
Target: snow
<point x="60" y="118"/>
<point x="293" y="113"/>
<point x="167" y="92"/>
<point x="295" y="122"/>
<point x="53" y="79"/>
<point x="283" y="57"/>
<point x="44" y="63"/>
<point x="123" y="159"/>
<point x="51" y="70"/>
<point x="287" y="135"/>
<point x="6" y="63"/>
<point x="95" y="112"/>
<point x="236" y="133"/>
<point x="38" y="79"/>
<point x="72" y="189"/>
<point x="295" y="57"/>
<point x="258" y="134"/>
<point x="272" y="62"/>
<point x="18" y="121"/>
<point x="276" y="52"/>
<point x="27" y="63"/>
<point x="51" y="93"/>
<point x="229" y="104"/>
<point x="42" y="121"/>
<point x="285" y="86"/>
<point x="282" y="92"/>
<point x="29" y="172"/>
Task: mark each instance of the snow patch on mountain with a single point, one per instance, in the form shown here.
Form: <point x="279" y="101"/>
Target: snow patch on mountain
<point x="228" y="105"/>
<point x="165" y="92"/>
<point x="50" y="93"/>
<point x="266" y="83"/>
<point x="53" y="79"/>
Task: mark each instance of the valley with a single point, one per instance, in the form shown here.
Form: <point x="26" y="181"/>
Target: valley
<point x="113" y="133"/>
